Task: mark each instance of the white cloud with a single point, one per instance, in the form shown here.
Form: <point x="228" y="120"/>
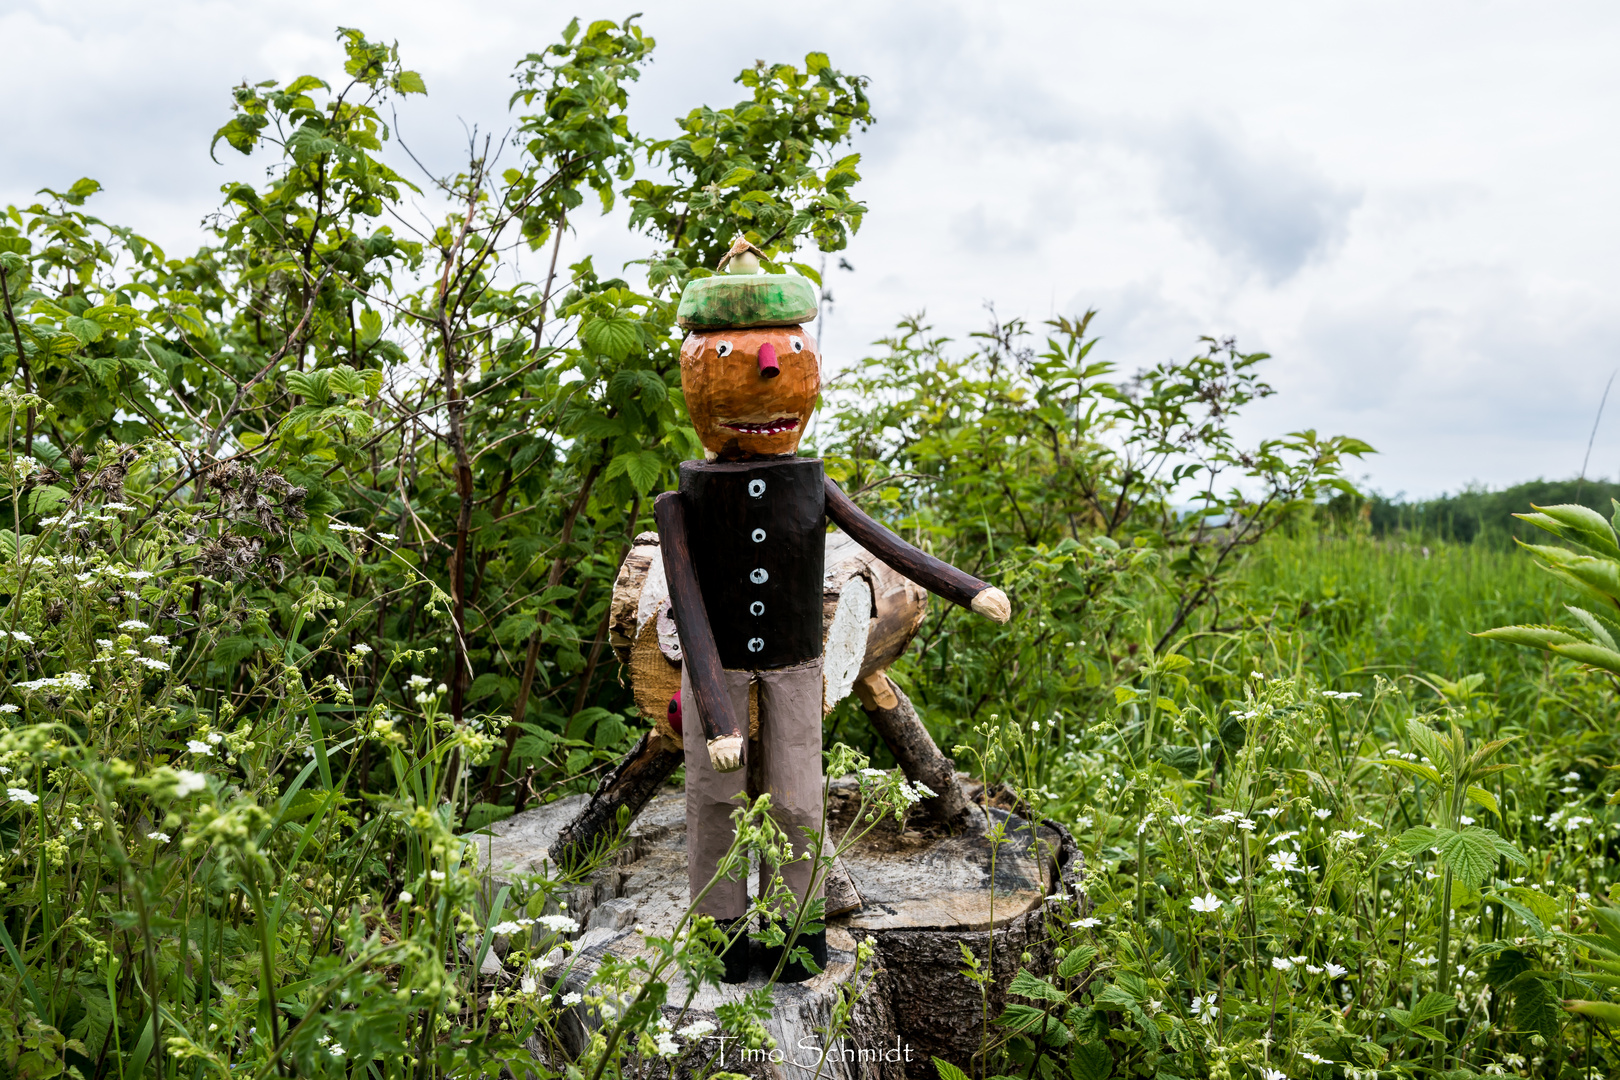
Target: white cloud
<point x="1408" y="205"/>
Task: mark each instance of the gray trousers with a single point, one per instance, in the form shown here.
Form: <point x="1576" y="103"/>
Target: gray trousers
<point x="785" y="761"/>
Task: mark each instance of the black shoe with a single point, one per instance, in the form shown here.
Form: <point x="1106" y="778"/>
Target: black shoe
<point x="795" y="971"/>
<point x="736" y="956"/>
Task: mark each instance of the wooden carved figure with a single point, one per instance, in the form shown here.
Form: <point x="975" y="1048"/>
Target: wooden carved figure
<point x="742" y="544"/>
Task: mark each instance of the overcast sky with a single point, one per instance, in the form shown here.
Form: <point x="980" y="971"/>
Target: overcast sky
<point x="1411" y="206"/>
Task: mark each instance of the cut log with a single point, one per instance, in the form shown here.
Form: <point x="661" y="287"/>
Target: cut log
<point x="919" y="757"/>
<point x="927" y="894"/>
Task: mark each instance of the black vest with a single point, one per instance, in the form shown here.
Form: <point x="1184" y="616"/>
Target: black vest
<point x="758" y="535"/>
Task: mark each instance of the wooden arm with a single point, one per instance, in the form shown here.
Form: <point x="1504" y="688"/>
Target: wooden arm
<point x="937" y="577"/>
<point x="700" y="655"/>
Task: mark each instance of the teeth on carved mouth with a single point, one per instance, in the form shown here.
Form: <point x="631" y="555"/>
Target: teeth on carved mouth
<point x="770" y="427"/>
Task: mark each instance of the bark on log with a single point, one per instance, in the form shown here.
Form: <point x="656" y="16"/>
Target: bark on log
<point x="896" y="722"/>
<point x="927" y="894"/>
<point x="632" y="782"/>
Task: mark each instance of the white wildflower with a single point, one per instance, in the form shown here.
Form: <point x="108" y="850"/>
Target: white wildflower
<point x="558" y="924"/>
<point x="160" y="837"/>
<point x="405" y="896"/>
<point x="696" y="1029"/>
<point x="155" y="665"/>
<point x="505" y="928"/>
<point x="1284" y="861"/>
<point x="1349" y="836"/>
<point x="1281" y="963"/>
<point x="1086" y="923"/>
<point x="8" y="707"/>
<point x="18" y="635"/>
<point x="156" y="639"/>
<point x="22" y="795"/>
<point x="572" y="998"/>
<point x="197" y="746"/>
<point x="188" y="782"/>
<point x="362" y="648"/>
<point x="1322" y="815"/>
<point x="133" y="624"/>
<point x="1207" y="903"/>
<point x="1335" y="971"/>
<point x="388" y="536"/>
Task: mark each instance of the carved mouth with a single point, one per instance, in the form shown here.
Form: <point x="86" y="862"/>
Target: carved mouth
<point x="769" y="427"/>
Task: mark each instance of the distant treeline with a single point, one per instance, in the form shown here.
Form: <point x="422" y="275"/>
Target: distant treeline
<point x="1470" y="515"/>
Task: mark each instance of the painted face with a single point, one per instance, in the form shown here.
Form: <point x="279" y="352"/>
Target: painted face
<point x="750" y="392"/>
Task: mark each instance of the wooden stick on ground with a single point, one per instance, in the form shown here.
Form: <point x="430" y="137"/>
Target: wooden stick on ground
<point x="897" y="724"/>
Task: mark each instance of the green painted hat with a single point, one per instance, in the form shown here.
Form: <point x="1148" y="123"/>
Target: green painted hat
<point x="746" y="300"/>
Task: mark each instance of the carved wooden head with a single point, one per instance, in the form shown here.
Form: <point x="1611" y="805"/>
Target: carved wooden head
<point x="750" y="392"/>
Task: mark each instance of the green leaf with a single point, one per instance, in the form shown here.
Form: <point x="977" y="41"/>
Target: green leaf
<point x="46" y="500"/>
<point x="1418" y="838"/>
<point x="1606" y="1011"/>
<point x="1506" y="966"/>
<point x="1589" y="526"/>
<point x="1433" y="1005"/>
<point x="614" y="335"/>
<point x="1595" y="655"/>
<point x="1184" y="759"/>
<point x="1026" y="985"/>
<point x="947" y="1071"/>
<point x="1484" y="798"/>
<point x="1472" y="853"/>
<point x="1076" y="962"/>
<point x="85" y="330"/>
<point x="1546" y="908"/>
<point x="1428" y="772"/>
<point x="1593" y="624"/>
<point x="1535" y="1006"/>
<point x="409" y="82"/>
<point x="641" y="467"/>
<point x="1091" y="1061"/>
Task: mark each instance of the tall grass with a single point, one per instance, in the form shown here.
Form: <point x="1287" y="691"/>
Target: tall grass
<point x="1351" y="607"/>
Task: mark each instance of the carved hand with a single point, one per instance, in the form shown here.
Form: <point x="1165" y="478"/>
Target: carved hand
<point x="992" y="604"/>
<point x="725" y="754"/>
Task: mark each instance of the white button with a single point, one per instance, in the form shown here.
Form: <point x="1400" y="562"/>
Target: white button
<point x="758" y="576"/>
<point x="756" y="608"/>
<point x="759" y="534"/>
<point x="756" y="644"/>
<point x="756" y="488"/>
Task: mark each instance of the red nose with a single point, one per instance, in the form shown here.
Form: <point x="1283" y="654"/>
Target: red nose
<point x="675" y="712"/>
<point x="768" y="368"/>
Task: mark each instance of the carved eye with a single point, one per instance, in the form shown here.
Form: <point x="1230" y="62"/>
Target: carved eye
<point x="724" y="348"/>
<point x="797" y="343"/>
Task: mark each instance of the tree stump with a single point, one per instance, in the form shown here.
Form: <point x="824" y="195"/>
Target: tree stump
<point x="926" y="892"/>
